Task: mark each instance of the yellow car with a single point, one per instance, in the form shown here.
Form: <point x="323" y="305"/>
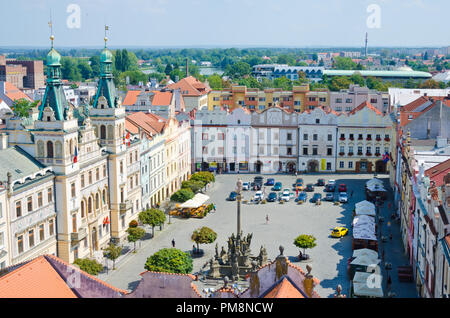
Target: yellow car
<point x="339" y="231"/>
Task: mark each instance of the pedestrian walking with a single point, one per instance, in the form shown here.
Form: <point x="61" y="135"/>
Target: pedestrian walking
<point x="173" y="242"/>
<point x="390" y="236"/>
<point x="267" y="218"/>
<point x="351" y="193"/>
<point x="214" y="208"/>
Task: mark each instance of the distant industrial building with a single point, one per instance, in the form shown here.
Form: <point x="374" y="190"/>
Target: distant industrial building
<point x="272" y="71"/>
<point x="22" y="74"/>
<point x="392" y="76"/>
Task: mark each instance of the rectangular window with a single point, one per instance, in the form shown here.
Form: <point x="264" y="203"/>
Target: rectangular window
<point x="104" y="171"/>
<point x="289" y="151"/>
<point x="261" y="150"/>
<point x="20" y="244"/>
<point x="315" y="137"/>
<point x="341" y="164"/>
<point x="2" y="243"/>
<point x="328" y="165"/>
<point x="348" y="100"/>
<point x="97" y="174"/>
<point x="305" y="136"/>
<point x="329" y="151"/>
<point x="350" y="164"/>
<point x="350" y="149"/>
<point x="30" y="204"/>
<point x="41" y="232"/>
<point x="82" y="180"/>
<point x="305" y="151"/>
<point x="289" y="136"/>
<point x="359" y="149"/>
<point x="121" y="167"/>
<point x="73" y="190"/>
<point x="51" y="227"/>
<point x="18" y="209"/>
<point x="31" y="238"/>
<point x="369" y="150"/>
<point x="341" y="149"/>
<point x="40" y="200"/>
<point x="50" y="195"/>
<point x="377" y="150"/>
<point x="74" y="223"/>
<point x="90" y="176"/>
<point x="338" y="100"/>
<point x="373" y="100"/>
<point x="330" y="137"/>
<point x="275" y="151"/>
<point x="314" y="151"/>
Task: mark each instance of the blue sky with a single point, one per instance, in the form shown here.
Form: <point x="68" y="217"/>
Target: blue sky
<point x="190" y="23"/>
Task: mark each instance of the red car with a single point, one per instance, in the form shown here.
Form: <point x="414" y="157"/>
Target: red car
<point x="342" y="188"/>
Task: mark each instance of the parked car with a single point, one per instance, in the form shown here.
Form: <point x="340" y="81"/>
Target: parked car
<point x="299" y="180"/>
<point x="272" y="197"/>
<point x="270" y="182"/>
<point x="329" y="196"/>
<point x="332" y="181"/>
<point x="255" y="186"/>
<point x="342" y="188"/>
<point x="316" y="196"/>
<point x="298" y="186"/>
<point x="286" y="195"/>
<point x="259" y="195"/>
<point x="258" y="179"/>
<point x="232" y="196"/>
<point x="330" y="188"/>
<point x="277" y="186"/>
<point x="320" y="182"/>
<point x="302" y="196"/>
<point x="246" y="185"/>
<point x="309" y="187"/>
<point x="343" y="197"/>
<point x="339" y="231"/>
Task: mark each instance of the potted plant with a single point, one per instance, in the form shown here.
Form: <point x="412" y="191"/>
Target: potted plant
<point x="341" y="154"/>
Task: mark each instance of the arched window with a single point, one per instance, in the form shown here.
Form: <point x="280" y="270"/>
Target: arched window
<point x="49" y="149"/>
<point x="90" y="205"/>
<point x="104" y="196"/>
<point x="82" y="209"/>
<point x="58" y="149"/>
<point x="71" y="147"/>
<point x="102" y="132"/>
<point x="97" y="201"/>
<point x="110" y="132"/>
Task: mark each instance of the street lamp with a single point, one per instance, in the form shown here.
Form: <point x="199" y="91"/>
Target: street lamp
<point x="238" y="199"/>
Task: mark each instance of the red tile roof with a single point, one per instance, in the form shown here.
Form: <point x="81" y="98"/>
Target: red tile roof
<point x="35" y="279"/>
<point x="363" y="105"/>
<point x="130" y="98"/>
<point x="190" y="86"/>
<point x="151" y="124"/>
<point x="14" y="93"/>
<point x="284" y="289"/>
<point x="438" y="172"/>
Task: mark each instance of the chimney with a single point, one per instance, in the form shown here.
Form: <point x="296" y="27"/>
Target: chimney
<point x="3" y="141"/>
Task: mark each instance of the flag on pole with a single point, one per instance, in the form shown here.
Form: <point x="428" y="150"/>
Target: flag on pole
<point x="128" y="137"/>
<point x="386" y="157"/>
<point x="75" y="158"/>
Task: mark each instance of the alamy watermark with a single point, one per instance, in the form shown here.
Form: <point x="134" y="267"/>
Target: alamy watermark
<point x="374" y="19"/>
<point x="74" y="19"/>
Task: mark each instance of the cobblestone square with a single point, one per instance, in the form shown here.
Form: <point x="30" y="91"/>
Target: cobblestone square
<point x="286" y="222"/>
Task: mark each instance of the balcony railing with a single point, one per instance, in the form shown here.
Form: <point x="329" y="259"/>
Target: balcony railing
<point x="378" y="139"/>
<point x="377" y="154"/>
<point x="124" y="207"/>
<point x="368" y="154"/>
<point x="369" y="138"/>
<point x="342" y="138"/>
<point x="387" y="139"/>
<point x="79" y="235"/>
<point x="360" y="153"/>
<point x="341" y="154"/>
<point x="350" y="153"/>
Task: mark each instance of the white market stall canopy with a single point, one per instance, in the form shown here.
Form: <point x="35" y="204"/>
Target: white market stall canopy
<point x="363" y="234"/>
<point x="366" y="260"/>
<point x="365" y="251"/>
<point x="374" y="181"/>
<point x="367" y="290"/>
<point x="362" y="220"/>
<point x="198" y="200"/>
<point x="376" y="187"/>
<point x="365" y="208"/>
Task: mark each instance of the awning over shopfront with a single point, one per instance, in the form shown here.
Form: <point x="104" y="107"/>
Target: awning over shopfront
<point x="198" y="200"/>
<point x="366" y="260"/>
<point x="374" y="181"/>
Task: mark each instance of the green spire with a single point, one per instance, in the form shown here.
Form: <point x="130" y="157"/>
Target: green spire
<point x="106" y="85"/>
<point x="54" y="96"/>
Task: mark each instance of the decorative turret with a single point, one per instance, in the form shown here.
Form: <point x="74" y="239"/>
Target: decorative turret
<point x="54" y="97"/>
<point x="106" y="87"/>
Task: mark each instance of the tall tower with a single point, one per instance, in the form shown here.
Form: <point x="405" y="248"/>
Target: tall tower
<point x="365" y="46"/>
<point x="55" y="136"/>
<point x="108" y="118"/>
